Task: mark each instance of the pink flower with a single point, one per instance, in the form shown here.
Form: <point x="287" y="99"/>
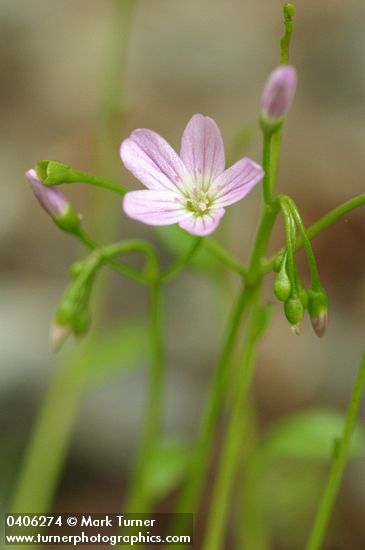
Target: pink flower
<point x="278" y="92"/>
<point x="192" y="189"/>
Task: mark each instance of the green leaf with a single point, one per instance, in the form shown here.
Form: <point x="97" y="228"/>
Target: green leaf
<point x="311" y="434"/>
<point x="167" y="468"/>
<point x="107" y="354"/>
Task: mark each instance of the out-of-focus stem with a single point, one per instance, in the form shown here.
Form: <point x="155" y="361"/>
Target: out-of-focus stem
<point x="341" y="449"/>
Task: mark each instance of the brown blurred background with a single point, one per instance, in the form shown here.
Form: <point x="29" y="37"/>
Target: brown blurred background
<point x="57" y="71"/>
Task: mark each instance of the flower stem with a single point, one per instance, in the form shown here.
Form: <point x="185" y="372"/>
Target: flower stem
<point x="232" y="441"/>
<point x="191" y="493"/>
<point x="138" y="500"/>
<point x="266" y="162"/>
<point x="219" y="252"/>
<point x="315" y="280"/>
<point x="317" y="535"/>
<point x="320" y="225"/>
<point x="182" y="262"/>
<point x="119" y="266"/>
<point x="288" y="11"/>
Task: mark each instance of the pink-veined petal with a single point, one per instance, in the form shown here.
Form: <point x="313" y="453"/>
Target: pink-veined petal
<point x="202" y="149"/>
<point x="154" y="207"/>
<point x="152" y="161"/>
<point x="203" y="225"/>
<point x="237" y="181"/>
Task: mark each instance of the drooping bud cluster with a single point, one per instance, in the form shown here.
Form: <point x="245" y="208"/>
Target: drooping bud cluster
<point x="72" y="314"/>
<point x="297" y="300"/>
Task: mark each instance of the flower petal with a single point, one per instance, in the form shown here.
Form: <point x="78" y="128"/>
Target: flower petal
<point x="202" y="149"/>
<point x="203" y="225"/>
<point x="237" y="181"/>
<point x="154" y="207"/>
<point x="152" y="161"/>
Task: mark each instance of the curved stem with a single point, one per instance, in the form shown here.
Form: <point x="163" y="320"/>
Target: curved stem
<point x="119" y="266"/>
<point x="290" y="241"/>
<point x="317" y="535"/>
<point x="315" y="280"/>
<point x="320" y="225"/>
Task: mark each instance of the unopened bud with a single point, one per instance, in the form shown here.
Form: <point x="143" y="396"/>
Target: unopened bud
<point x="58" y="334"/>
<point x="54" y="202"/>
<point x="318" y="310"/>
<point x="282" y="285"/>
<point x="294" y="312"/>
<point x="278" y="94"/>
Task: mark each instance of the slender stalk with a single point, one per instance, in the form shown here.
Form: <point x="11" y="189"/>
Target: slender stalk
<point x="288" y="11"/>
<point x="138" y="500"/>
<point x="266" y="163"/>
<point x="320" y="225"/>
<point x="117" y="265"/>
<point x="182" y="262"/>
<point x="232" y="441"/>
<point x="221" y="254"/>
<point x="191" y="492"/>
<point x="326" y="506"/>
<point x="102" y="183"/>
<point x="230" y="451"/>
<point x="290" y="239"/>
<point x="315" y="280"/>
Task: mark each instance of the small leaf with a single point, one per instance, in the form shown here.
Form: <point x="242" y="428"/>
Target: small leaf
<point x="311" y="434"/>
<point x="167" y="468"/>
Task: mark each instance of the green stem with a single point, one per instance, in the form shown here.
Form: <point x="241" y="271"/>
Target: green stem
<point x="117" y="265"/>
<point x="288" y="12"/>
<point x="219" y="510"/>
<point x="138" y="500"/>
<point x="201" y="453"/>
<point x="219" y="252"/>
<point x="317" y="535"/>
<point x="182" y="262"/>
<point x="315" y="280"/>
<point x="320" y="225"/>
<point x="290" y="241"/>
<point x="266" y="162"/>
<point x="103" y="183"/>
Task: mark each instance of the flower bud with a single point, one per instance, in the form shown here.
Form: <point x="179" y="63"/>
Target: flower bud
<point x="278" y="261"/>
<point x="278" y="94"/>
<point x="318" y="310"/>
<point x="282" y="285"/>
<point x="54" y="202"/>
<point x="294" y="312"/>
<point x="58" y="334"/>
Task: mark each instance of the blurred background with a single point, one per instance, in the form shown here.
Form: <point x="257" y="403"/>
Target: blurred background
<point x="74" y="83"/>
